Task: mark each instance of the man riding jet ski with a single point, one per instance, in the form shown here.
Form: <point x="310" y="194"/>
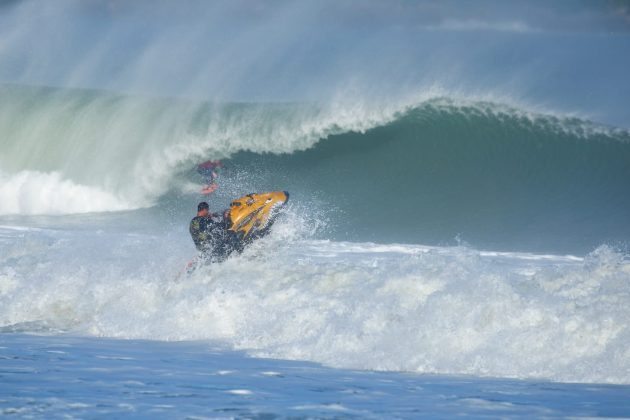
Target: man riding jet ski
<point x="209" y="232"/>
<point x="248" y="218"/>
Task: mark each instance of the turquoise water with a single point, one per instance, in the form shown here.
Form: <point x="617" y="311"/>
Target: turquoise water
<point x="489" y="175"/>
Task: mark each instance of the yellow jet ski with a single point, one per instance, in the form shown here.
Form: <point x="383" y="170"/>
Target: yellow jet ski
<point x="248" y="218"/>
<point x="251" y="216"/>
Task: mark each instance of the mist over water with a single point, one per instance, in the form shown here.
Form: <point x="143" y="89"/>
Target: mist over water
<point x="442" y="160"/>
<point x="327" y="51"/>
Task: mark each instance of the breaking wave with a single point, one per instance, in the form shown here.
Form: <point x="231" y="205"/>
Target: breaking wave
<point x="496" y="176"/>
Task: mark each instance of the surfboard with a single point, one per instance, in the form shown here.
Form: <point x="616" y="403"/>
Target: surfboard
<point x="209" y="189"/>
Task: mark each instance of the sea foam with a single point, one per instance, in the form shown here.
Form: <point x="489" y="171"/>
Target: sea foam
<point x="363" y="306"/>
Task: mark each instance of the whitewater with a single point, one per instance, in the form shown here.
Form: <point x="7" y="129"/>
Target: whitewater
<point x="456" y="241"/>
<point x="354" y="305"/>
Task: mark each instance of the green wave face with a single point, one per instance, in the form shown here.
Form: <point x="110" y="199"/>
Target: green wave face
<point x="434" y="172"/>
<point x="490" y="176"/>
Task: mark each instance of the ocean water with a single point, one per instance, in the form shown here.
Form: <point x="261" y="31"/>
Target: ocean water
<point x="456" y="241"/>
<point x="82" y="377"/>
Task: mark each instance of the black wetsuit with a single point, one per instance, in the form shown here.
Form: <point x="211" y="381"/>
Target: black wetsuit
<point x="212" y="238"/>
<point x="202" y="230"/>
